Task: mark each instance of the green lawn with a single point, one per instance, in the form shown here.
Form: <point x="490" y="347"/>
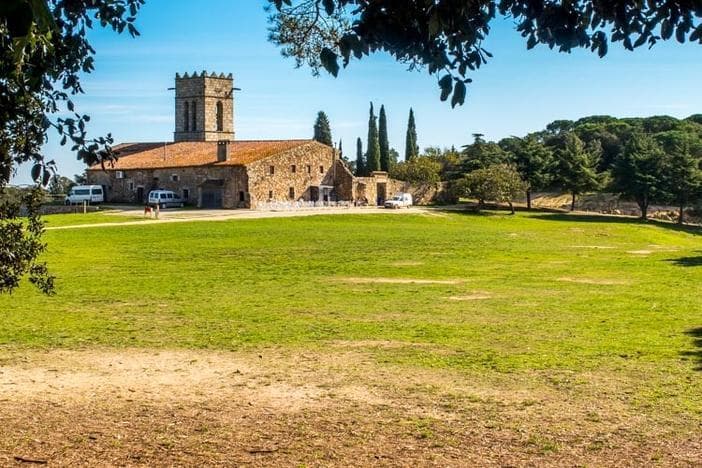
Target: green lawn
<point x="522" y="294"/>
<point x="96" y="217"/>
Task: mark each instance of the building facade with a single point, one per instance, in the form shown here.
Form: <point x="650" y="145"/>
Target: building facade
<point x="209" y="168"/>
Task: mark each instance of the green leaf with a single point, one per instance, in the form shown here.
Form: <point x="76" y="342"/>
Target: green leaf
<point x="446" y="85"/>
<point x="329" y="61"/>
<point x="329" y="6"/>
<point x="36" y="172"/>
<point x="459" y="94"/>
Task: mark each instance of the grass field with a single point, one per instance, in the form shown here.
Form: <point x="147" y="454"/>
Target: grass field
<point x="535" y="338"/>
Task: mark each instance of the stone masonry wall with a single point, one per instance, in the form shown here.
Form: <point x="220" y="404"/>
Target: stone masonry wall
<point x="183" y="180"/>
<point x="204" y="90"/>
<point x="314" y="166"/>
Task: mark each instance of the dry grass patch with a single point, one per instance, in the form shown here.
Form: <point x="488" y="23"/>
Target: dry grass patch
<point x="381" y="280"/>
<point x="470" y="297"/>
<point x="336" y="407"/>
<point x="595" y="281"/>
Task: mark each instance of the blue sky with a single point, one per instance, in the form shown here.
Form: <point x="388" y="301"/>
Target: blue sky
<point x="518" y="91"/>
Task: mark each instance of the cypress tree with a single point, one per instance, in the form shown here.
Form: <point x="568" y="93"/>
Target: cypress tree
<point x="373" y="154"/>
<point x="360" y="166"/>
<point x="411" y="148"/>
<point x="322" y="130"/>
<point x="383" y="140"/>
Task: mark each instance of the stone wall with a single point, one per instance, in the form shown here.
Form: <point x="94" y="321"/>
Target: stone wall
<point x="204" y="91"/>
<point x="305" y="170"/>
<point x="186" y="181"/>
<point x="422" y="194"/>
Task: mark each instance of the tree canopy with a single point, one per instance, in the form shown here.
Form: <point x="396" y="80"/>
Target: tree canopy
<point x="446" y="37"/>
<point x="322" y="129"/>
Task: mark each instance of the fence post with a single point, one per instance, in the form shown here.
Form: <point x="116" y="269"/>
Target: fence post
<point x="85" y="207"/>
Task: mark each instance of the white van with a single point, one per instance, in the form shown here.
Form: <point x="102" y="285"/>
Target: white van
<point x="165" y="198"/>
<point x="85" y="193"/>
<point x="400" y="200"/>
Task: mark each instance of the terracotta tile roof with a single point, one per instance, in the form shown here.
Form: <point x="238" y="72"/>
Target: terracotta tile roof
<point x="195" y="153"/>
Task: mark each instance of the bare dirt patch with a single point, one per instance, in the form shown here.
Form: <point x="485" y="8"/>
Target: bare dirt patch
<point x="640" y="252"/>
<point x="336" y="407"/>
<point x="381" y="280"/>
<point x="470" y="297"/>
<point x="595" y="281"/>
<point x="406" y="263"/>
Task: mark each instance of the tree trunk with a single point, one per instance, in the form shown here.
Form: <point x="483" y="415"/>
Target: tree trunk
<point x="682" y="214"/>
<point x="528" y="199"/>
<point x="511" y="206"/>
<point x="644" y="210"/>
<point x="572" y="203"/>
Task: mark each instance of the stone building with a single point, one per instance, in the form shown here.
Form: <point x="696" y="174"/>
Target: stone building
<point x="210" y="169"/>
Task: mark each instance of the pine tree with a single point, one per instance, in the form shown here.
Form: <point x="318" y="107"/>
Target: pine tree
<point x="373" y="153"/>
<point x="411" y="148"/>
<point x="383" y="140"/>
<point x="322" y="130"/>
<point x="341" y="149"/>
<point x="360" y="163"/>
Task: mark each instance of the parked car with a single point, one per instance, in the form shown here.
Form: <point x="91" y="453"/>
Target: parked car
<point x="165" y="199"/>
<point x="400" y="200"/>
<point x="85" y="193"/>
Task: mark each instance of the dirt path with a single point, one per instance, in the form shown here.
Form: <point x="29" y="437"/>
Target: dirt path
<point x="223" y="215"/>
<point x="285" y="408"/>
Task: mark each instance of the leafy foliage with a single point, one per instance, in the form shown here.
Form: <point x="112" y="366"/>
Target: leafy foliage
<point x="383" y="140"/>
<point x="499" y="182"/>
<point x="360" y="160"/>
<point x="576" y="166"/>
<point x="446" y="37"/>
<point x="420" y="170"/>
<point x="637" y="171"/>
<point x="533" y="161"/>
<point x="372" y="162"/>
<point x="45" y="50"/>
<point x="411" y="148"/>
<point x="481" y="154"/>
<point x="322" y="129"/>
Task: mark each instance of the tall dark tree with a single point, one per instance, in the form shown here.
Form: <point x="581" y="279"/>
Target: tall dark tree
<point x="638" y="171"/>
<point x="447" y="37"/>
<point x="383" y="140"/>
<point x="532" y="159"/>
<point x="576" y="167"/>
<point x="411" y="147"/>
<point x="481" y="154"/>
<point x="373" y="153"/>
<point x="322" y="129"/>
<point x="682" y="176"/>
<point x="360" y="161"/>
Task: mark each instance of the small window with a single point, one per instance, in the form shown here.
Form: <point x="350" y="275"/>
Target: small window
<point x="293" y="169"/>
<point x="175" y="178"/>
<point x="321" y="169"/>
<point x="131" y="186"/>
<point x="170" y="196"/>
<point x="309" y="169"/>
<point x="97" y="191"/>
<point x="242" y="197"/>
<point x="186" y="194"/>
<point x="193" y="121"/>
<point x="271" y="170"/>
<point x="163" y="196"/>
<point x="220" y="116"/>
<point x="270" y="194"/>
<point x="186" y="116"/>
<point x="291" y="193"/>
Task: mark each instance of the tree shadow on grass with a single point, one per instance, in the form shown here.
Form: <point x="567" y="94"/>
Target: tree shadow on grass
<point x="603" y="218"/>
<point x="693" y="261"/>
<point x="696" y="354"/>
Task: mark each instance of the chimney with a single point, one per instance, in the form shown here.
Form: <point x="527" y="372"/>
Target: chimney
<point x="223" y="148"/>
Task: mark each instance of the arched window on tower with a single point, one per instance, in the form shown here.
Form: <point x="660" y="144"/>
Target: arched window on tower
<point x="186" y="117"/>
<point x="193" y="112"/>
<point x="220" y="116"/>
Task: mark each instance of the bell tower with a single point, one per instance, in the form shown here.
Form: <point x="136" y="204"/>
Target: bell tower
<point x="204" y="107"/>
